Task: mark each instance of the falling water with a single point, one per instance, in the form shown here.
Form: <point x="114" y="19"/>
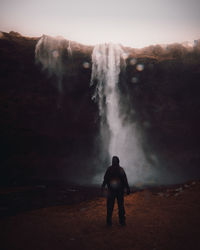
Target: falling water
<point x="119" y="136"/>
<point x="50" y="52"/>
<point x="123" y="136"/>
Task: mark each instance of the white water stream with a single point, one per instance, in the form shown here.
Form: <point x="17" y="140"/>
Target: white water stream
<point x="123" y="136"/>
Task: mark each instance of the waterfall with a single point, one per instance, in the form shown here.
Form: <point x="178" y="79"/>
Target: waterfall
<point x="122" y="138"/>
<point x="119" y="134"/>
<point x="50" y="52"/>
<point x="106" y="68"/>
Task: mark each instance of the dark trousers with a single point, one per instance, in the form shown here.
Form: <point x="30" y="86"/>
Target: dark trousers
<point x="119" y="195"/>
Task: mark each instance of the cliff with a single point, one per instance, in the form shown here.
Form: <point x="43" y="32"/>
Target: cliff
<point x="46" y="134"/>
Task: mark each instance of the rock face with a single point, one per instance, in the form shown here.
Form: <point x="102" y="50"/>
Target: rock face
<point x="47" y="134"/>
<point x="38" y="136"/>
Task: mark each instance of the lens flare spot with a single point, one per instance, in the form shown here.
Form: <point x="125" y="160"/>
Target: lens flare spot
<point x="86" y="65"/>
<point x="133" y="61"/>
<point x="114" y="184"/>
<point x="146" y="124"/>
<point x="133" y="112"/>
<point x="140" y="67"/>
<point x="153" y="157"/>
<point x="55" y="53"/>
<point x="134" y="79"/>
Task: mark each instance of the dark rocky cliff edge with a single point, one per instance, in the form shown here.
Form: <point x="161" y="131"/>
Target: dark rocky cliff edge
<point x="48" y="135"/>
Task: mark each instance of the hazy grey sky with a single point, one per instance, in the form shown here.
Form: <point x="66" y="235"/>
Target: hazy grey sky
<point x="129" y="22"/>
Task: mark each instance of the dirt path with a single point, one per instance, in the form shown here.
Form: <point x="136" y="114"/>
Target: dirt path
<point x="165" y="221"/>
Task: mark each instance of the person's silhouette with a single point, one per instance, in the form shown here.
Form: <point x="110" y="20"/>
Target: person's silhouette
<point x="116" y="181"/>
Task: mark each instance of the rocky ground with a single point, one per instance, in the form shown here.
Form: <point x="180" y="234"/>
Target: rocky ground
<point x="161" y="218"/>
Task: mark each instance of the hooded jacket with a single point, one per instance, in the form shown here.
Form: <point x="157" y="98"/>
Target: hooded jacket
<point x="115" y="177"/>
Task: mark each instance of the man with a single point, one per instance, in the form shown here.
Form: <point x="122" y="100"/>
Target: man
<point x="116" y="181"/>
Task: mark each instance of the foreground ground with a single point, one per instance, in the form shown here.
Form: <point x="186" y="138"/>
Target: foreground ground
<point x="162" y="219"/>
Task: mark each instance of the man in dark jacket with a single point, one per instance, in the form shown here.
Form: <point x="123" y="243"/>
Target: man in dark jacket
<point x="116" y="181"/>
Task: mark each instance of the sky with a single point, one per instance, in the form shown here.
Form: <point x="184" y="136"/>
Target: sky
<point x="134" y="23"/>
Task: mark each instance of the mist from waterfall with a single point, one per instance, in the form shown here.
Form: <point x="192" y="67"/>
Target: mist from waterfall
<point x="119" y="135"/>
<point x="50" y="52"/>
